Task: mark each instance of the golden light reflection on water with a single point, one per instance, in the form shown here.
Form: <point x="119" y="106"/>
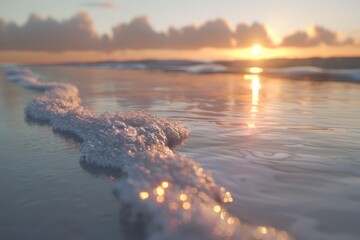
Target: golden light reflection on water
<point x="159" y="191"/>
<point x="217" y="208"/>
<point x="160" y="199"/>
<point x="183" y="197"/>
<point x="255" y="88"/>
<point x="255" y="93"/>
<point x="165" y="184"/>
<point x="230" y="220"/>
<point x="144" y="195"/>
<point x="161" y="194"/>
<point x="255" y="70"/>
<point x="262" y="230"/>
<point x="186" y="205"/>
<point x="186" y="202"/>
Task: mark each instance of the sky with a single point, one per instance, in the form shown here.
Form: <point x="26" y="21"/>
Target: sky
<point x="202" y="29"/>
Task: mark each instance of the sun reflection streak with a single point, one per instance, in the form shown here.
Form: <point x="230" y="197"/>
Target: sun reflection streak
<point x="255" y="92"/>
<point x="255" y="88"/>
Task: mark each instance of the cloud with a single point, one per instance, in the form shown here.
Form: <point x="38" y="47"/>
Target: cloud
<point x="213" y="33"/>
<point x="107" y="5"/>
<point x="247" y="35"/>
<point x="2" y="31"/>
<point x="137" y="34"/>
<point x="315" y="36"/>
<point x="38" y="34"/>
<point x="78" y="34"/>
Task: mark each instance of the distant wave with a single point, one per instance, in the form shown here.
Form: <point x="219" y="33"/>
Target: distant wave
<point x="316" y="72"/>
<point x="168" y="66"/>
<point x="197" y="67"/>
<point x="163" y="195"/>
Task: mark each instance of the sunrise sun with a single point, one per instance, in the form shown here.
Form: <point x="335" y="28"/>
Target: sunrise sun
<point x="256" y="49"/>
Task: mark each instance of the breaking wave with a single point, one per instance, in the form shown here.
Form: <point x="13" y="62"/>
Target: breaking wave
<point x="163" y="195"/>
<point x="167" y="66"/>
<point x="198" y="67"/>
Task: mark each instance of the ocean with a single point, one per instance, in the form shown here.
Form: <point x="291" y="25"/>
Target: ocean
<point x="216" y="151"/>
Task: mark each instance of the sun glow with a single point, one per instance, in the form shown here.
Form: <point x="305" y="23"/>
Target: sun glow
<point x="256" y="49"/>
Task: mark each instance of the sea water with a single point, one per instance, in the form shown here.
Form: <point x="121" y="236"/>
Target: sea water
<point x="286" y="149"/>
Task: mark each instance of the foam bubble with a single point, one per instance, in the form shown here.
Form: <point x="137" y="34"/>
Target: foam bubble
<point x="164" y="195"/>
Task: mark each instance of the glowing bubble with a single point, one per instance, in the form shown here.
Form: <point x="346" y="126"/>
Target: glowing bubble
<point x="217" y="208"/>
<point x="183" y="197"/>
<point x="144" y="195"/>
<point x="165" y="184"/>
<point x="186" y="205"/>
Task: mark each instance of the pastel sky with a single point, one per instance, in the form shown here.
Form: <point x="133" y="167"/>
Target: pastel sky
<point x="318" y="27"/>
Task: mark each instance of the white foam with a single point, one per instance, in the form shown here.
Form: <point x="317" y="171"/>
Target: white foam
<point x="164" y="194"/>
<point x="205" y="68"/>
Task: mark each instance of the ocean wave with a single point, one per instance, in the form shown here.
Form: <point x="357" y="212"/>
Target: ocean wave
<point x="309" y="71"/>
<point x="166" y="66"/>
<point x="205" y="68"/>
<point x="197" y="67"/>
<point x="162" y="194"/>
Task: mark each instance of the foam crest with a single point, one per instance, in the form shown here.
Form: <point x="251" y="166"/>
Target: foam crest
<point x="167" y="66"/>
<point x="205" y="68"/>
<point x="163" y="195"/>
<point x="293" y="68"/>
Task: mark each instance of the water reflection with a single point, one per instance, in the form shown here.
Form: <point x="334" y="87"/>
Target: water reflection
<point x="255" y="88"/>
<point x="178" y="209"/>
<point x="255" y="70"/>
<point x="254" y="77"/>
<point x="223" y="99"/>
<point x="180" y="204"/>
<point x="72" y="140"/>
<point x="230" y="99"/>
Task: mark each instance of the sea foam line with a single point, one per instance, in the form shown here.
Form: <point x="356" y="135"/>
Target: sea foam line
<point x="163" y="195"/>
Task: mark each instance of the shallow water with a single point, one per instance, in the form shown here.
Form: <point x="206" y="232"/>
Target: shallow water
<point x="288" y="151"/>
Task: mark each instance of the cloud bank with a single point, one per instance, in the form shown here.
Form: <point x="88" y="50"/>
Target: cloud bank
<point x="38" y="34"/>
<point x="315" y="36"/>
<point x="78" y="34"/>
